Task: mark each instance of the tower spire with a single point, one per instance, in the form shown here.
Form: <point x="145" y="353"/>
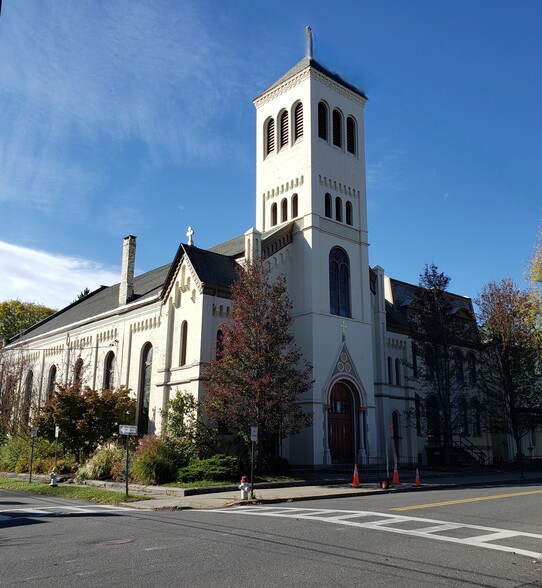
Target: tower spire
<point x="308" y="42"/>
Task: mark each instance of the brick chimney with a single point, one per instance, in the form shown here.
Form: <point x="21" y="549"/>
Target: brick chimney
<point x="126" y="289"/>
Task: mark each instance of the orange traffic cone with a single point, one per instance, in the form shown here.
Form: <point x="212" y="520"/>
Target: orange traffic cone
<point x="355" y="480"/>
<point x="418" y="482"/>
<point x="395" y="479"/>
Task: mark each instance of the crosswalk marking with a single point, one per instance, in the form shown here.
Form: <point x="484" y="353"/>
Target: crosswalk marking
<point x="10" y="513"/>
<point x="391" y="523"/>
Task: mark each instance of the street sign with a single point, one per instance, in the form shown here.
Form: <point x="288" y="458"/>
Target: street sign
<point x="127" y="430"/>
<point x="254" y="434"/>
<point x="34" y="432"/>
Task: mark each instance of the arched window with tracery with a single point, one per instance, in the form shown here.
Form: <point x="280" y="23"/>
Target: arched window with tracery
<point x="337" y="128"/>
<point x="294" y="206"/>
<point x="338" y="209"/>
<point x="298" y="121"/>
<point x="322" y="120"/>
<point x="398" y="378"/>
<point x="269" y="137"/>
<point x="284" y="210"/>
<point x="351" y="135"/>
<point x="339" y="282"/>
<point x="184" y="343"/>
<point x="327" y="205"/>
<point x="349" y="213"/>
<point x="283" y="130"/>
<point x="274" y="215"/>
<point x="144" y="397"/>
<point x="110" y="366"/>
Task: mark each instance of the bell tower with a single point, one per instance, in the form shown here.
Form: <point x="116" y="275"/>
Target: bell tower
<point x="310" y="182"/>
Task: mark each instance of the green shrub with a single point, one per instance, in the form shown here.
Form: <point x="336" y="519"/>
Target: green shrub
<point x="217" y="468"/>
<point x="106" y="463"/>
<point x="15" y="456"/>
<point x="152" y="462"/>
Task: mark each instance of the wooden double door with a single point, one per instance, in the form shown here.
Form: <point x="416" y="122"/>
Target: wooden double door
<point x="341" y="429"/>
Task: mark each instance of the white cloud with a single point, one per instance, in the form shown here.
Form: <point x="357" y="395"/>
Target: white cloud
<point x="53" y="280"/>
<point x="80" y="80"/>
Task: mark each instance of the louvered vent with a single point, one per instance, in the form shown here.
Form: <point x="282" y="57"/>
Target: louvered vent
<point x="298" y="121"/>
<point x="284" y="130"/>
<point x="270" y="139"/>
<point x="350" y="135"/>
<point x="322" y="121"/>
<point x="337" y="129"/>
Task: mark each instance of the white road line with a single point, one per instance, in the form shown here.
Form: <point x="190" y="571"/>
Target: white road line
<point x="435" y="530"/>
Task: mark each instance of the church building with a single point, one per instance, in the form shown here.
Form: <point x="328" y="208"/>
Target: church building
<point x="152" y="333"/>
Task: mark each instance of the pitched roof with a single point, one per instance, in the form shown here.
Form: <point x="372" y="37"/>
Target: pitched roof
<point x="102" y="300"/>
<point x="306" y="62"/>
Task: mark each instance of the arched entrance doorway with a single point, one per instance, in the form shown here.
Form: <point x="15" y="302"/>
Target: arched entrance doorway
<point x="341" y="425"/>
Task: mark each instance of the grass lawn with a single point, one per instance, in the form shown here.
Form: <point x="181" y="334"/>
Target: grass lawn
<point x="88" y="493"/>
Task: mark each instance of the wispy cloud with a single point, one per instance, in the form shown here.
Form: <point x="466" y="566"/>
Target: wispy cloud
<point x="59" y="279"/>
<point x="81" y="80"/>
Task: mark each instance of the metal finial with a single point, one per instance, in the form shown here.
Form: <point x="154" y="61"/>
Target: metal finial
<point x="308" y="42"/>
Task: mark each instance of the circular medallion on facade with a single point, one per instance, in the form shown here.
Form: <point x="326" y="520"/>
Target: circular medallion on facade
<point x="340" y="366"/>
<point x="347" y="367"/>
<point x="344" y="357"/>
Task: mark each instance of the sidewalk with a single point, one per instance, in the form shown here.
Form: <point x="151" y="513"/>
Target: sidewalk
<point x="165" y="498"/>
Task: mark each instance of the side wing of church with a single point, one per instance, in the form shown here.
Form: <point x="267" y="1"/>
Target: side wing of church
<point x="153" y="332"/>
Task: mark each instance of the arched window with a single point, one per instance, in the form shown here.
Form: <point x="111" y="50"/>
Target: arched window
<point x="110" y="366"/>
<point x="78" y="372"/>
<point x="184" y="342"/>
<point x="51" y="381"/>
<point x="338" y="209"/>
<point x="284" y="210"/>
<point x="27" y="400"/>
<point x="298" y="121"/>
<point x="337" y="128"/>
<point x="349" y="213"/>
<point x="390" y="370"/>
<point x="294" y="206"/>
<point x="396" y="431"/>
<point x="476" y="417"/>
<point x="274" y="214"/>
<point x="397" y="372"/>
<point x="144" y="397"/>
<point x="351" y="135"/>
<point x="339" y="282"/>
<point x="219" y="344"/>
<point x="328" y="205"/>
<point x="283" y="130"/>
<point x="463" y="416"/>
<point x="322" y="120"/>
<point x="269" y="137"/>
<point x="471" y="362"/>
<point x="459" y="372"/>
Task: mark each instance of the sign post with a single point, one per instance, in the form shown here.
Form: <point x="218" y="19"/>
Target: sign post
<point x="127" y="431"/>
<point x="33" y="434"/>
<point x="57" y="431"/>
<point x="254" y="440"/>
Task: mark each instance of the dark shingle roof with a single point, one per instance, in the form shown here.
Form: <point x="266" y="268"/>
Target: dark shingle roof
<point x="233" y="247"/>
<point x="102" y="300"/>
<point x="213" y="269"/>
<point x="306" y="62"/>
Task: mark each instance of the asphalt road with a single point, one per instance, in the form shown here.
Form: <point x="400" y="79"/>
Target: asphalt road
<point x="462" y="537"/>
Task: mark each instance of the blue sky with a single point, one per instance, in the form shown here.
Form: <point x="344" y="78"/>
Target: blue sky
<point x="136" y="117"/>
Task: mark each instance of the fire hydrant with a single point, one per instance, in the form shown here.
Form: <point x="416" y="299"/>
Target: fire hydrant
<point x="53" y="479"/>
<point x="244" y="487"/>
